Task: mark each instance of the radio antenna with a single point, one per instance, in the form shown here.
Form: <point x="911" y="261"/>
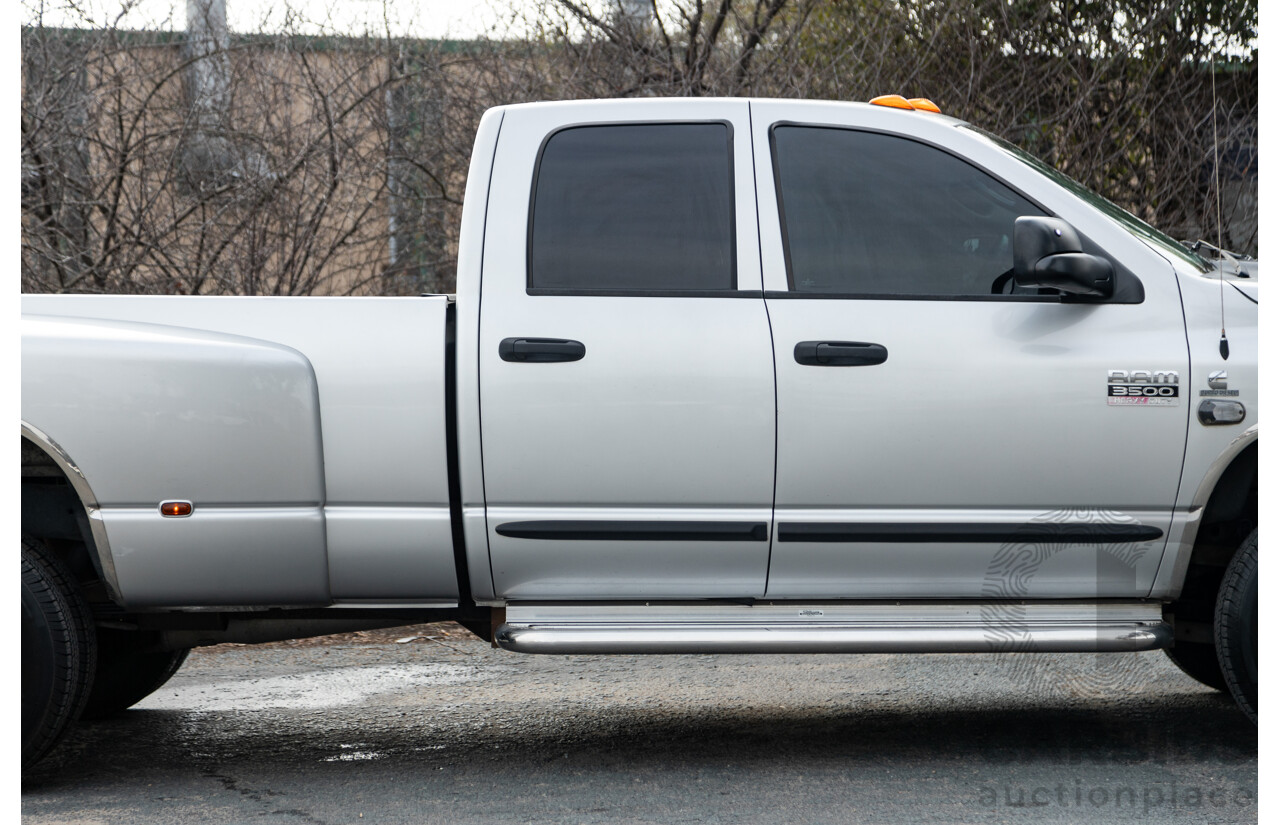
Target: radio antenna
<point x="1223" y="348"/>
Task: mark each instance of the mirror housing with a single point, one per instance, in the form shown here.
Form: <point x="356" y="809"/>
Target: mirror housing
<point x="1047" y="253"/>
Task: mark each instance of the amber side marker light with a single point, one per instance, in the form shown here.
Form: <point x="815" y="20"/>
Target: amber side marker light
<point x="175" y="508"/>
<point x="899" y="102"/>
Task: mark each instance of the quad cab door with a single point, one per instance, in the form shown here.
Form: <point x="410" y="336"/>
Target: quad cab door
<point x="626" y="374"/>
<point x="941" y="432"/>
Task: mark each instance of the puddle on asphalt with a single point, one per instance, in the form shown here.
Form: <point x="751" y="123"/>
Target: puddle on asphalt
<point x="301" y="691"/>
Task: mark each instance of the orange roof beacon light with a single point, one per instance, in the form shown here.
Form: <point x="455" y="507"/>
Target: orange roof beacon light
<point x="900" y="102"/>
<point x="893" y="101"/>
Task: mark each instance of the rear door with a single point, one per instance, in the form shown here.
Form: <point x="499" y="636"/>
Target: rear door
<point x="626" y="374"/>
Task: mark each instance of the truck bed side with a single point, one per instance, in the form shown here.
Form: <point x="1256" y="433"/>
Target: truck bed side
<point x="376" y="529"/>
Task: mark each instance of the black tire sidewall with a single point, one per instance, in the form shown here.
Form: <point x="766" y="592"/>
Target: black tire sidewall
<point x="43" y="635"/>
<point x="59" y="650"/>
<point x="1236" y="626"/>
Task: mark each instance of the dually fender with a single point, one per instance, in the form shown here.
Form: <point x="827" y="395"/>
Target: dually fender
<point x="100" y="550"/>
<point x="137" y="414"/>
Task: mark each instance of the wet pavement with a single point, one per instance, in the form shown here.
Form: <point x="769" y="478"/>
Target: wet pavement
<point x="444" y="729"/>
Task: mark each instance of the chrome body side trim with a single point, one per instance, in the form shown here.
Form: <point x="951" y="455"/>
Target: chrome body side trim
<point x="101" y="552"/>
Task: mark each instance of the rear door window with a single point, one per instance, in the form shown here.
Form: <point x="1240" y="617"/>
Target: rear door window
<point x="633" y="208"/>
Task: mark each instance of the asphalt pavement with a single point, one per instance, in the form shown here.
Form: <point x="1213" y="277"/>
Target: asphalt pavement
<point x="430" y="725"/>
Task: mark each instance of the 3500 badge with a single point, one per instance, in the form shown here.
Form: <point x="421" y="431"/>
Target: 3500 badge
<point x="1149" y="388"/>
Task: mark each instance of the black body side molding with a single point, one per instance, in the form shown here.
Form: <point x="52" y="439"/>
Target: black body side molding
<point x="636" y="530"/>
<point x="968" y="533"/>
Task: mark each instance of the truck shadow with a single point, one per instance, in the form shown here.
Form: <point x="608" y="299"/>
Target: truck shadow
<point x="1154" y="730"/>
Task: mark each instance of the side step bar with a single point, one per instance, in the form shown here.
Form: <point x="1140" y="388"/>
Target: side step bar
<point x="823" y="628"/>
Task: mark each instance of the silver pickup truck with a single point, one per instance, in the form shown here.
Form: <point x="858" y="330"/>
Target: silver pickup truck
<point x="720" y="375"/>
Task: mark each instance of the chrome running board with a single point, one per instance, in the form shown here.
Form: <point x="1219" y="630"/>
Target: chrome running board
<point x="933" y="627"/>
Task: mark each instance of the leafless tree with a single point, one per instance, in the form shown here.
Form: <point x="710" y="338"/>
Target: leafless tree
<point x="220" y="163"/>
<point x="149" y="168"/>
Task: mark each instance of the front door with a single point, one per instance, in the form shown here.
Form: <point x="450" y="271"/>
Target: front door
<point x="626" y="375"/>
<point x="940" y="433"/>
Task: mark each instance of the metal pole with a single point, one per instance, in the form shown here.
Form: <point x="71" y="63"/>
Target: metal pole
<point x="209" y="74"/>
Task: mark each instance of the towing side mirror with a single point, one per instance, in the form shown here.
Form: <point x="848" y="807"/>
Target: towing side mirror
<point x="1047" y="253"/>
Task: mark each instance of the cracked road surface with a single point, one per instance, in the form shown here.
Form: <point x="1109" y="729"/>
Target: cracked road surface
<point x="443" y="729"/>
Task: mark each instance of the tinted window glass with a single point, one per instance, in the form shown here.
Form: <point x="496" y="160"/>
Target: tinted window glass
<point x="647" y="207"/>
<point x="872" y="214"/>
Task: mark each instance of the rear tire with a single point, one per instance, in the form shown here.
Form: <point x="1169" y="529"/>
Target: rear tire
<point x="127" y="672"/>
<point x="1235" y="626"/>
<point x="1200" y="662"/>
<point x="58" y="650"/>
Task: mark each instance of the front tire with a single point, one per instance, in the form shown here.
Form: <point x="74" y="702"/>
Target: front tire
<point x="58" y="650"/>
<point x="1235" y="626"/>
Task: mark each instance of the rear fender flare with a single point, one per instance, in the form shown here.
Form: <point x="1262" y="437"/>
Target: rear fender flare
<point x="100" y="549"/>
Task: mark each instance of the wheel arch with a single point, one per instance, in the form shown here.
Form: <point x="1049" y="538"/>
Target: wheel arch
<point x="96" y="546"/>
<point x="1226" y="501"/>
<point x="1225" y="488"/>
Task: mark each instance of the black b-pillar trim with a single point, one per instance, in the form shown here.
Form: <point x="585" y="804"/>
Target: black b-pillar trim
<point x="636" y="530"/>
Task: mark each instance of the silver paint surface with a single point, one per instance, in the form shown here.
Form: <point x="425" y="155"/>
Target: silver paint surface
<point x="386" y="553"/>
<point x="234" y="556"/>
